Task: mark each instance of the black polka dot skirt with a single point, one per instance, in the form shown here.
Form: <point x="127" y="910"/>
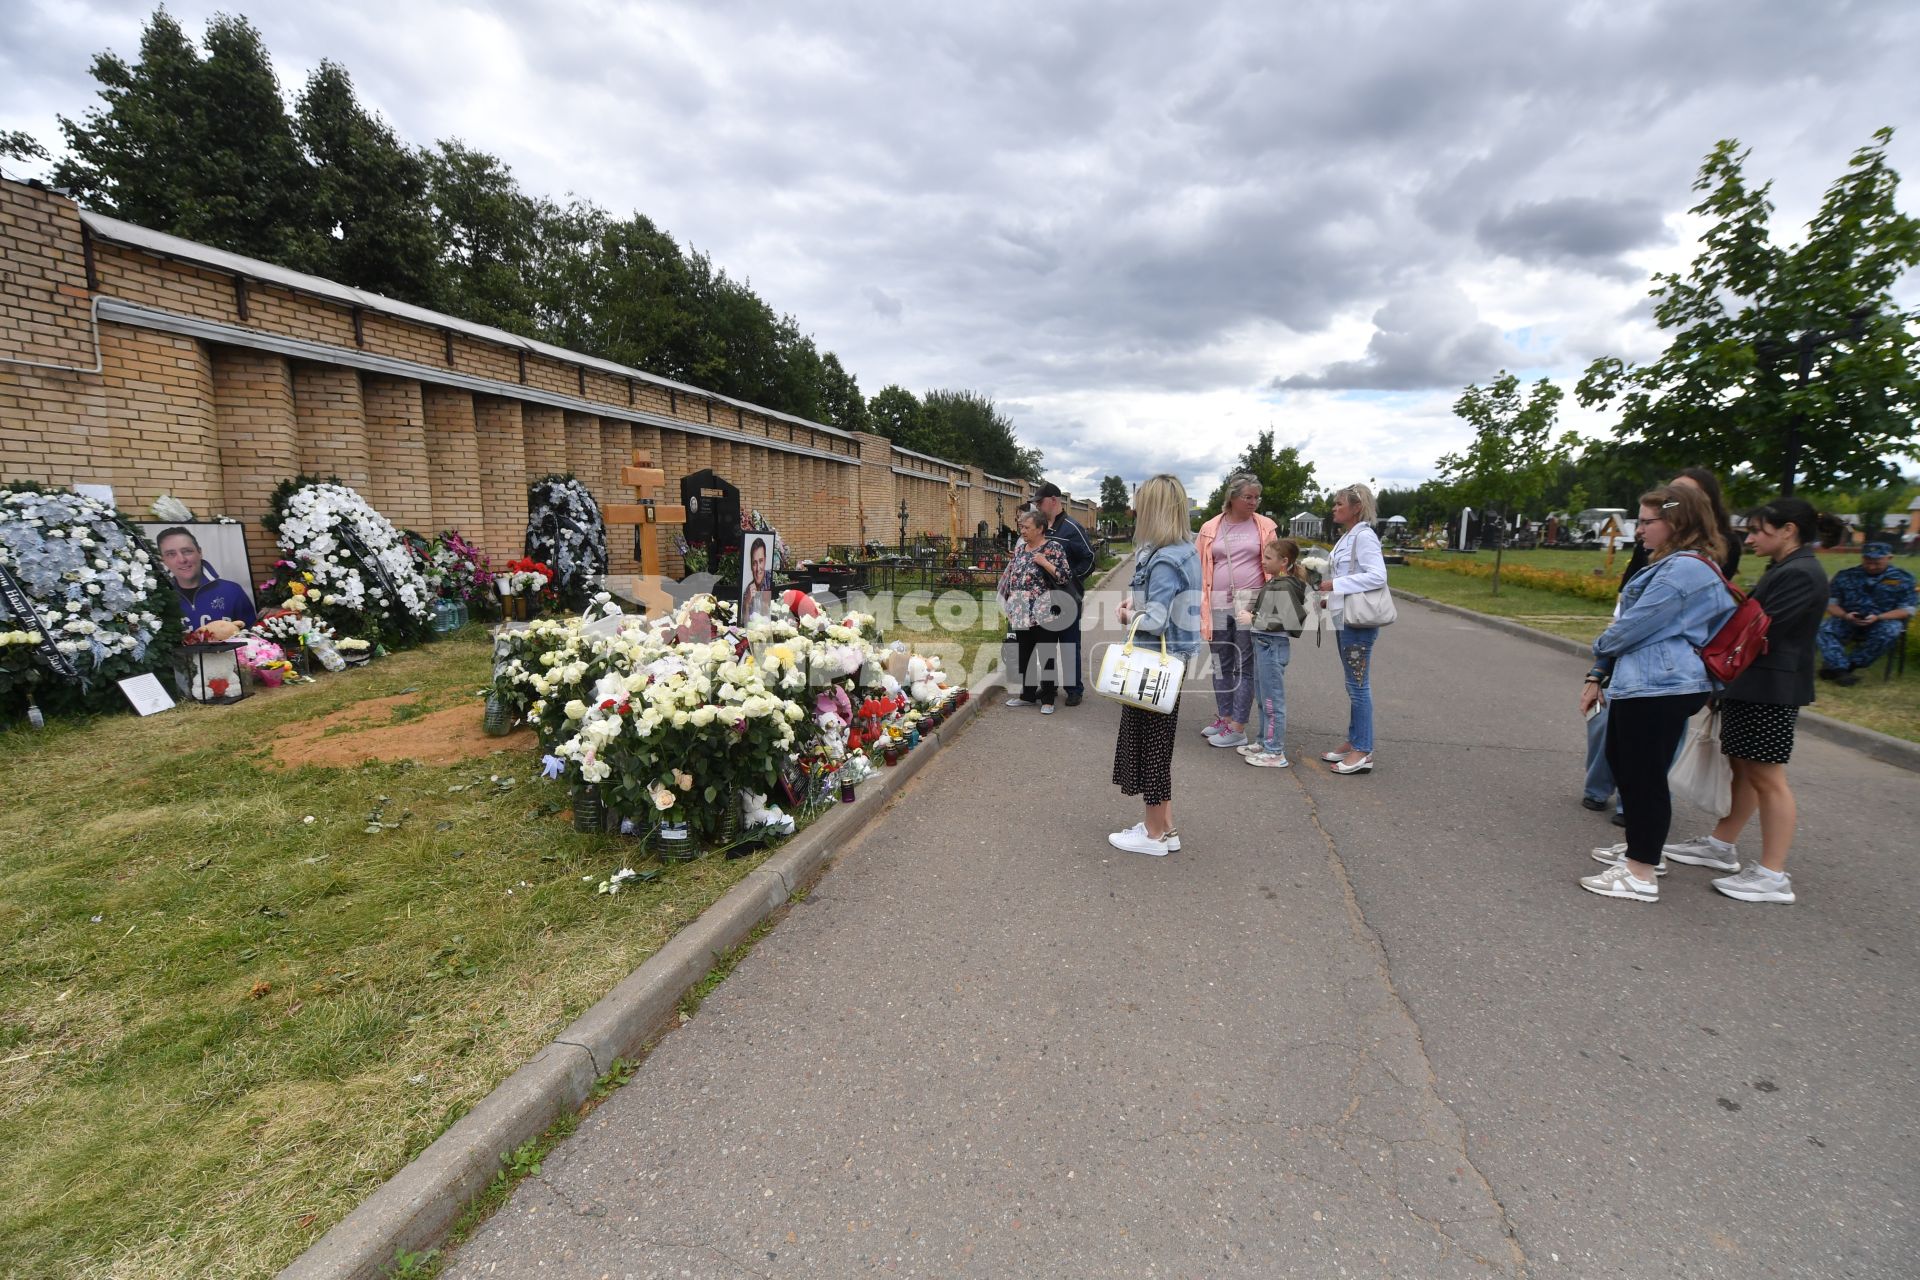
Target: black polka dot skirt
<point x="1758" y="731"/>
<point x="1143" y="756"/>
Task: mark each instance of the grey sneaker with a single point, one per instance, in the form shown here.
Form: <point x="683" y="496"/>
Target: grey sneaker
<point x="1229" y="738"/>
<point x="1757" y="884"/>
<point x="1618" y="853"/>
<point x="1704" y="851"/>
<point x="1618" y="882"/>
<point x="1173" y="835"/>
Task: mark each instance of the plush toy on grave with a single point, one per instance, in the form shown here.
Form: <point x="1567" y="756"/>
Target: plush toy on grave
<point x="218" y="631"/>
<point x="761" y="814"/>
<point x="207" y="666"/>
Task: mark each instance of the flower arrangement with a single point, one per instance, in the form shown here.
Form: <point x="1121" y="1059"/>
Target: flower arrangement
<point x="458" y="570"/>
<point x="267" y="661"/>
<point x="524" y="577"/>
<point x="565" y="530"/>
<point x="360" y="575"/>
<point x="94" y="581"/>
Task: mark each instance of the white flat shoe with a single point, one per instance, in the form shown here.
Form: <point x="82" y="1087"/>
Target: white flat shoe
<point x="1362" y="765"/>
<point x="1333" y="757"/>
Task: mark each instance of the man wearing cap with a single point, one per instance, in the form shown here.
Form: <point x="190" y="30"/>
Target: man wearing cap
<point x="1079" y="552"/>
<point x="1867" y="609"/>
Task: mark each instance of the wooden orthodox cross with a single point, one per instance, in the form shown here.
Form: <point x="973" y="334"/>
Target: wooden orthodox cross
<point x="646" y="513"/>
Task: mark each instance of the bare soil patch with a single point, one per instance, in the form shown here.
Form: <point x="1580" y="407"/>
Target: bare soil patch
<point x="365" y="731"/>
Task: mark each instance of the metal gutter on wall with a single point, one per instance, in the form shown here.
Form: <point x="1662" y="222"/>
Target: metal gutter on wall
<point x="241" y="268"/>
<point x="119" y="311"/>
<point x="939" y="480"/>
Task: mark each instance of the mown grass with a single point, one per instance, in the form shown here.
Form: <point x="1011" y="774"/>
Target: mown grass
<point x="1888" y="706"/>
<point x="221" y="1026"/>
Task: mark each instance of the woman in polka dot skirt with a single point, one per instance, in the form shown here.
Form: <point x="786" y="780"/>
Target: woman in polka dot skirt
<point x="1760" y="708"/>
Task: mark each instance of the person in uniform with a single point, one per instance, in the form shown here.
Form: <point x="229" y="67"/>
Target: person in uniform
<point x="1867" y="610"/>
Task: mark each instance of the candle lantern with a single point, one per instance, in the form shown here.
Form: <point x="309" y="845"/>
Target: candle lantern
<point x="674" y="843"/>
<point x="210" y="672"/>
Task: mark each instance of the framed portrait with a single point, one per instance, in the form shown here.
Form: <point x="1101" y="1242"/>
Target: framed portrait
<point x="221" y="551"/>
<point x="756" y="575"/>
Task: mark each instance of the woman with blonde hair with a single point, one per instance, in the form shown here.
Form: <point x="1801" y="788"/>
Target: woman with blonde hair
<point x="1648" y="662"/>
<point x="1355" y="567"/>
<point x="1229" y="547"/>
<point x="1165" y="601"/>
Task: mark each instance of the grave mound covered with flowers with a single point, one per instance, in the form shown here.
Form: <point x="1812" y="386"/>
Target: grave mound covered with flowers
<point x="689" y="723"/>
<point x="565" y="532"/>
<point x="345" y="567"/>
<point x="84" y="603"/>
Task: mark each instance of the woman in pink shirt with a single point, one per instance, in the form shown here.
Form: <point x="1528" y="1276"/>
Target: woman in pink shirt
<point x="1229" y="547"/>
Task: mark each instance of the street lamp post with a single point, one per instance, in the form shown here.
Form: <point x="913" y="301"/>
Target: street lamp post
<point x="1806" y="347"/>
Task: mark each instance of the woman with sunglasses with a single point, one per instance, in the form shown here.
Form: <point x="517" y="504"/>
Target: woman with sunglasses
<point x="1648" y="663"/>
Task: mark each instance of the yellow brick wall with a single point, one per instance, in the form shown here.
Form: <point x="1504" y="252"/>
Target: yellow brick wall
<point x="399" y="486"/>
<point x="332" y="423"/>
<point x="453" y="461"/>
<point x="257" y="429"/>
<point x="503" y="475"/>
<point x="545" y="429"/>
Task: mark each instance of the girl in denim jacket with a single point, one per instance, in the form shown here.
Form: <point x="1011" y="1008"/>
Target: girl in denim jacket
<point x="1648" y="662"/>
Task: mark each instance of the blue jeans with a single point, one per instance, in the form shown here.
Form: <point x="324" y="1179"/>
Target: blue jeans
<point x="1270" y="654"/>
<point x="1599" y="785"/>
<point x="1356" y="656"/>
<point x="1232" y="668"/>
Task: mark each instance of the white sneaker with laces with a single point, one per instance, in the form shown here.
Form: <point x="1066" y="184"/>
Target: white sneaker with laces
<point x="1046" y="709"/>
<point x="1017" y="701"/>
<point x="1704" y="851"/>
<point x="1248" y="748"/>
<point x="1618" y="882"/>
<point x="1757" y="884"/>
<point x="1268" y="759"/>
<point x="1136" y="840"/>
<point x="1172" y="836"/>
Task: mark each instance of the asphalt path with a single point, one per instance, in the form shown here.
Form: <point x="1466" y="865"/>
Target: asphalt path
<point x="1360" y="1025"/>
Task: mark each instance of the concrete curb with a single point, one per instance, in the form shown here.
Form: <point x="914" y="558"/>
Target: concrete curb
<point x="1881" y="746"/>
<point x="414" y="1209"/>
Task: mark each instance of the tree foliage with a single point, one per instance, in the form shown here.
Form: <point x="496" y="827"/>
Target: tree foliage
<point x="1286" y="482"/>
<point x="1742" y="387"/>
<point x="1114" y="498"/>
<point x="1514" y="454"/>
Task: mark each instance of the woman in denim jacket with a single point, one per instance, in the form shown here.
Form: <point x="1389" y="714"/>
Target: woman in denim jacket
<point x="1163" y="602"/>
<point x="1649" y="663"/>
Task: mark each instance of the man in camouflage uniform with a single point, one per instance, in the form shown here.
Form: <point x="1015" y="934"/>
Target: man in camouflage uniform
<point x="1867" y="610"/>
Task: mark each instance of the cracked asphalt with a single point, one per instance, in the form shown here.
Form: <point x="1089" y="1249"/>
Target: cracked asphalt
<point x="1358" y="1026"/>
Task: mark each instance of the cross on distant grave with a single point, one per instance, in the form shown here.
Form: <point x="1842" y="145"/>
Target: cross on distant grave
<point x="646" y="513"/>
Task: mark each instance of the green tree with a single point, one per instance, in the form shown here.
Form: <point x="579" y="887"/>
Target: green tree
<point x="199" y="147"/>
<point x="1114" y="498"/>
<point x="840" y="400"/>
<point x="490" y="235"/>
<point x="369" y="194"/>
<point x="1286" y="482"/>
<point x="1792" y="363"/>
<point x="967" y="427"/>
<point x="896" y="413"/>
<point x="16" y="144"/>
<point x="1513" y="455"/>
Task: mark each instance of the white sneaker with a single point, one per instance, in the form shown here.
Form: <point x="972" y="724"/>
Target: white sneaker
<point x="1018" y="702"/>
<point x="1047" y="709"/>
<point x="1172" y="838"/>
<point x="1248" y="748"/>
<point x="1704" y="851"/>
<point x="1268" y="759"/>
<point x="1136" y="840"/>
<point x="1618" y="853"/>
<point x="1757" y="884"/>
<point x="1618" y="882"/>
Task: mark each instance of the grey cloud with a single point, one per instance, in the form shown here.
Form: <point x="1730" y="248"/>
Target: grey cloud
<point x="882" y="302"/>
<point x="1580" y="231"/>
<point x="1420" y="341"/>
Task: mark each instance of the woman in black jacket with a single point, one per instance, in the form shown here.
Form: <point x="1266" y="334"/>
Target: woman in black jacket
<point x="1759" y="709"/>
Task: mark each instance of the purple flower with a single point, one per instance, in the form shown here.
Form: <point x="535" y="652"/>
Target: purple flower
<point x="552" y="766"/>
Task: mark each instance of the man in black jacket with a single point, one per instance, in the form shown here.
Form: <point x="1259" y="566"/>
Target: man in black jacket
<point x="1079" y="550"/>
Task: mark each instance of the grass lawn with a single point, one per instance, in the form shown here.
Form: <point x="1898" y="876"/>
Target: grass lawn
<point x="233" y="1000"/>
<point x="1889" y="706"/>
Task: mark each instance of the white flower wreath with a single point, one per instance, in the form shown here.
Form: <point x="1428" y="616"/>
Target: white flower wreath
<point x="331" y="532"/>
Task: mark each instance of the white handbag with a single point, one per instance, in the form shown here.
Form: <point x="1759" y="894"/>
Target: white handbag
<point x="1140" y="678"/>
<point x="1369" y="609"/>
<point x="1700" y="774"/>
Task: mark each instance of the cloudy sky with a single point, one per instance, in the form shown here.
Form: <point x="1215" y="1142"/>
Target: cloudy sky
<point x="1148" y="230"/>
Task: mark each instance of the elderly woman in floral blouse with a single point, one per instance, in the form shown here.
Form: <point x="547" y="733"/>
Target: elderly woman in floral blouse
<point x="1026" y="592"/>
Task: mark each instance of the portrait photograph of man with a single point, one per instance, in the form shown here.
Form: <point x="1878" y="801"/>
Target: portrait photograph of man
<point x="197" y="558"/>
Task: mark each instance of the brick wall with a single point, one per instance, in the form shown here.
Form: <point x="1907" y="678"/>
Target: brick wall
<point x="220" y="423"/>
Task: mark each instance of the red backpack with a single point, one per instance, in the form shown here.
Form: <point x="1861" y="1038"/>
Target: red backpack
<point x="1740" y="639"/>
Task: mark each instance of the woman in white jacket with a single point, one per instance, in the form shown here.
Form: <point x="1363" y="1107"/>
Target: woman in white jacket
<point x="1356" y="566"/>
